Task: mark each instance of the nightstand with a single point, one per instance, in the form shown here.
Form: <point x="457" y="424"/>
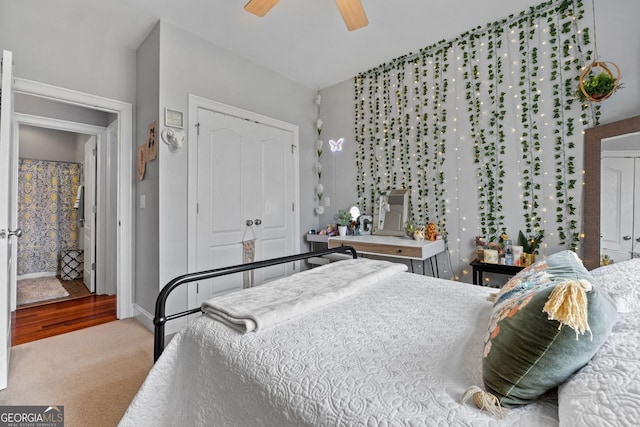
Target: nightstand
<point x="480" y="267"/>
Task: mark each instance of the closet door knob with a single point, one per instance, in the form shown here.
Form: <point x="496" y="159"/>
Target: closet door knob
<point x="626" y="238"/>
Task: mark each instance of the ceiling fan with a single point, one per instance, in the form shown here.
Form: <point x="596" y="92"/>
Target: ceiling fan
<point x="351" y="11"/>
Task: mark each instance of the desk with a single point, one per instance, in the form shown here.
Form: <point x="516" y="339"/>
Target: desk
<point x="480" y="267"/>
<point x="395" y="247"/>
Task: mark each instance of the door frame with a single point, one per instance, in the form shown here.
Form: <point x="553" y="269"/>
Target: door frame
<point x="47" y="123"/>
<point x="125" y="190"/>
<point x="197" y="102"/>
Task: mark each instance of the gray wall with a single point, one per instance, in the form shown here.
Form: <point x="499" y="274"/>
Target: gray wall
<point x="45" y="53"/>
<point x="173" y="63"/>
<point x="618" y="39"/>
<point x="165" y="82"/>
<point x="146" y="283"/>
<point x="47" y="144"/>
<point x="37" y="106"/>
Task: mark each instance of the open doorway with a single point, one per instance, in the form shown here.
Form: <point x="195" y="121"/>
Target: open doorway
<point x="67" y="199"/>
<point x="52" y="178"/>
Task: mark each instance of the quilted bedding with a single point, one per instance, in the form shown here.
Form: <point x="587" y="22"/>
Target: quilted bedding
<point x="401" y="352"/>
<point x="606" y="392"/>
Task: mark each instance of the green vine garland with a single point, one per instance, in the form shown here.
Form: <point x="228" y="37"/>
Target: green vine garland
<point x="404" y="128"/>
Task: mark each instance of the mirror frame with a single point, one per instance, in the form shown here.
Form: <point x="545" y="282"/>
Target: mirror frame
<point x="591" y="198"/>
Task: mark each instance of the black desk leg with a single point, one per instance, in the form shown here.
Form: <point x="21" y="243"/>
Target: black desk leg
<point x="477" y="276"/>
<point x="435" y="271"/>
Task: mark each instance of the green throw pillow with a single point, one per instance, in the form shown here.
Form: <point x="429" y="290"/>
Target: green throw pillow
<point x="547" y="322"/>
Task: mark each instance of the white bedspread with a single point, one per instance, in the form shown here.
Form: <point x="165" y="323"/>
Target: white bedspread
<point x="606" y="392"/>
<point x="400" y="352"/>
<point x="283" y="299"/>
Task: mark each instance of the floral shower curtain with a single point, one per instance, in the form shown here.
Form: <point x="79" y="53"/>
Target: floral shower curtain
<point x="46" y="214"/>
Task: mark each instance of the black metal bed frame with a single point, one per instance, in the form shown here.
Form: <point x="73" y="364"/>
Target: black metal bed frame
<point x="160" y="316"/>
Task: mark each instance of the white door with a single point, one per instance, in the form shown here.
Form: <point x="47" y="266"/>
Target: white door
<point x="245" y="190"/>
<point x="636" y="210"/>
<point x="616" y="211"/>
<point x="8" y="212"/>
<point x="89" y="231"/>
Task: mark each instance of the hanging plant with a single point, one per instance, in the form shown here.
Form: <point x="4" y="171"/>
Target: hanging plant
<point x="598" y="82"/>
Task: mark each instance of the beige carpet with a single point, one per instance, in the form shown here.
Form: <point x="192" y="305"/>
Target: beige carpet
<point x="94" y="372"/>
<point x="39" y="289"/>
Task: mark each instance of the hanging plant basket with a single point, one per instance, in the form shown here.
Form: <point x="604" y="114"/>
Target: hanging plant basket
<point x="598" y="82"/>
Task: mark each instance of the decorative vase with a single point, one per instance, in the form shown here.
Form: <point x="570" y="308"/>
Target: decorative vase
<point x="418" y="234"/>
<point x="528" y="259"/>
<point x="342" y="230"/>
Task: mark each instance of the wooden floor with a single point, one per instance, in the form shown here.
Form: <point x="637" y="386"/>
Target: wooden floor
<point x="34" y="323"/>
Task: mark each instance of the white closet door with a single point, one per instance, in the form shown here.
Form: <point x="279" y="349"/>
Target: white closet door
<point x="245" y="176"/>
<point x="617" y="211"/>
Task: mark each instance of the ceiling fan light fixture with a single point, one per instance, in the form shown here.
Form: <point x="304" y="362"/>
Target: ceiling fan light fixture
<point x="352" y="13"/>
<point x="351" y="10"/>
<point x="260" y="7"/>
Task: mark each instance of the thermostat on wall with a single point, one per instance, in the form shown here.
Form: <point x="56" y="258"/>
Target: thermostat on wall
<point x="173" y="118"/>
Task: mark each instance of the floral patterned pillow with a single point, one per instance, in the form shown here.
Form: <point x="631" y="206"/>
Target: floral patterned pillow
<point x="547" y="322"/>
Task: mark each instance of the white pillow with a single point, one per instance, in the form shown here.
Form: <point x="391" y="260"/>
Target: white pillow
<point x="622" y="281"/>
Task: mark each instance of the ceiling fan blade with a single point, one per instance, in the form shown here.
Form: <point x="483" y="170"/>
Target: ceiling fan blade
<point x="260" y="7"/>
<point x="353" y="14"/>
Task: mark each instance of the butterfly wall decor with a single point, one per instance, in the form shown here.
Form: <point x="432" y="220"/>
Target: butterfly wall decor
<point x="336" y="145"/>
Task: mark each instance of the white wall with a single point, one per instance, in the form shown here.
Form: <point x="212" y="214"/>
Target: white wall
<point x="618" y="39"/>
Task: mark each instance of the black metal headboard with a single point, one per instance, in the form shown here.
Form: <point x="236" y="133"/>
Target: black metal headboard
<point x="161" y="318"/>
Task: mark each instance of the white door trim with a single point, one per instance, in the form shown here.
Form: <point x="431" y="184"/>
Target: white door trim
<point x="125" y="232"/>
<point x="196" y="102"/>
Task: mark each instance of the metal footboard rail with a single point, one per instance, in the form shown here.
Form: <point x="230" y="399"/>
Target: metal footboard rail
<point x="160" y="316"/>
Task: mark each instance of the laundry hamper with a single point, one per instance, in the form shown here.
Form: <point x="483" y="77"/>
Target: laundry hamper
<point x="72" y="264"/>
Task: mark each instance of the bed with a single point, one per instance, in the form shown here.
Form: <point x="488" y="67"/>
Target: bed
<point x="395" y="348"/>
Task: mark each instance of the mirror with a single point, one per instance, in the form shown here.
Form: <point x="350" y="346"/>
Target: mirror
<point x="392" y="213"/>
<point x="593" y="138"/>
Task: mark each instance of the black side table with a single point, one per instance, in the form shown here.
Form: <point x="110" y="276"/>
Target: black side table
<point x="481" y="267"/>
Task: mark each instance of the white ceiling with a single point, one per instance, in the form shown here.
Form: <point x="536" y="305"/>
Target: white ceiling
<point x="303" y="40"/>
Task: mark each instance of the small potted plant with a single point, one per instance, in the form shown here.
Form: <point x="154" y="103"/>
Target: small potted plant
<point x="343" y="220"/>
<point x="530" y="246"/>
